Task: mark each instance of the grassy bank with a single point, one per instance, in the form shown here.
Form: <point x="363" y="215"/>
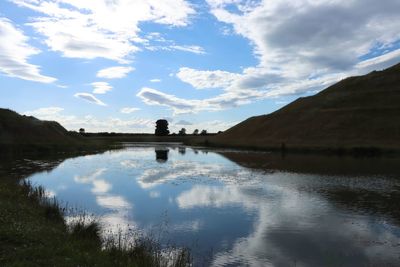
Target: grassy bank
<point x="356" y="151"/>
<point x="33" y="232"/>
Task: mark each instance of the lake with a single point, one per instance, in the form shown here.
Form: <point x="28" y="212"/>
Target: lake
<point x="236" y="208"/>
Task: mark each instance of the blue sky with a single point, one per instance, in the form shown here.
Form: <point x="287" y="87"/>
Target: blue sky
<point x="120" y="65"/>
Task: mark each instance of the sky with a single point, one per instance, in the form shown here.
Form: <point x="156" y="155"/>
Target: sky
<point x="119" y="65"/>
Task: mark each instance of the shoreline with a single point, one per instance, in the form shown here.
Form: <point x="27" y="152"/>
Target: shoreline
<point x="355" y="151"/>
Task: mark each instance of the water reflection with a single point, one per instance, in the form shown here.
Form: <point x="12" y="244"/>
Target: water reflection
<point x="250" y="209"/>
<point x="182" y="150"/>
<point x="161" y="155"/>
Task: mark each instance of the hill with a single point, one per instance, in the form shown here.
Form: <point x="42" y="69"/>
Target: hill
<point x="21" y="129"/>
<point x="357" y="112"/>
<point x="20" y="134"/>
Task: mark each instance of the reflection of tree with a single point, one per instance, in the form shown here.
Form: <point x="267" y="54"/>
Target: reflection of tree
<point x="182" y="150"/>
<point x="161" y="155"/>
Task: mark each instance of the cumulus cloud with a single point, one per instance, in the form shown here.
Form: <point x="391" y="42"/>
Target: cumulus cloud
<point x="154" y="97"/>
<point x="15" y="52"/>
<point x="128" y="110"/>
<point x="90" y="98"/>
<point x="101" y="87"/>
<point x="184" y="106"/>
<point x="303" y="36"/>
<point x="114" y="72"/>
<point x="302" y="47"/>
<point x="206" y="79"/>
<point x="101" y="28"/>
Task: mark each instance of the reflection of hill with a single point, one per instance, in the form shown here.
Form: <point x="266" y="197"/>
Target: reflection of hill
<point x="22" y="167"/>
<point x="361" y="185"/>
<point x="356" y="112"/>
<point x="315" y="164"/>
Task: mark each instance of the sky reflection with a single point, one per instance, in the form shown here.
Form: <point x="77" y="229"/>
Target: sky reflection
<point x="247" y="216"/>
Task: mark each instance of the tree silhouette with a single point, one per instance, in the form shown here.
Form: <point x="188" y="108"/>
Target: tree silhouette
<point x="203" y="132"/>
<point x="182" y="131"/>
<point x="81" y="131"/>
<point x="161" y="128"/>
<point x="196" y="132"/>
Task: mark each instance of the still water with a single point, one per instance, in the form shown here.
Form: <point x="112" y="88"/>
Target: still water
<point x="242" y="208"/>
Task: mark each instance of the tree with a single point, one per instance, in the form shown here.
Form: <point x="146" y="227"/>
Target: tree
<point x="161" y="128"/>
<point x="196" y="132"/>
<point x="182" y="131"/>
<point x="203" y="132"/>
<point x="82" y="131"/>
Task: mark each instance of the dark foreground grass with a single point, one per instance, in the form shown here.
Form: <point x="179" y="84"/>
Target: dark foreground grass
<point x="33" y="232"/>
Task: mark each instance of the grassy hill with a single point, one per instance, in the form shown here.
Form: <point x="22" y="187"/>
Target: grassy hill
<point x="357" y="112"/>
<point x="21" y="129"/>
<point x="20" y="133"/>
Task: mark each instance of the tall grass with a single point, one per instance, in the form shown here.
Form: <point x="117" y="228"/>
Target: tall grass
<point x="123" y="248"/>
<point x="38" y="195"/>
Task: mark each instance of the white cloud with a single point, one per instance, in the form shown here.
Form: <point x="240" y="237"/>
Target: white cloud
<point x="91" y="123"/>
<point x="380" y="62"/>
<point x="101" y="28"/>
<point x="207" y="79"/>
<point x="114" y="72"/>
<point x="184" y="106"/>
<point x="90" y="98"/>
<point x="129" y="110"/>
<point x="183" y="122"/>
<point x="195" y="49"/>
<point x="155" y="80"/>
<point x="15" y="52"/>
<point x="44" y="112"/>
<point x="156" y="42"/>
<point x="188" y="48"/>
<point x="299" y="37"/>
<point x="154" y="97"/>
<point x="101" y="87"/>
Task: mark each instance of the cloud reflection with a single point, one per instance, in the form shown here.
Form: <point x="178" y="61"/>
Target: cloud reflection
<point x="116" y="218"/>
<point x="293" y="228"/>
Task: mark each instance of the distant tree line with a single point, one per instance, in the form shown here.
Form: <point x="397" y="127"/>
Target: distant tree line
<point x="160" y="130"/>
